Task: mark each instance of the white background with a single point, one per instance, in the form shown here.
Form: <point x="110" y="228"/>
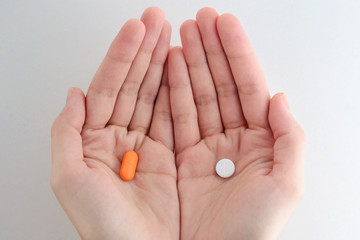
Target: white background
<point x="308" y="49"/>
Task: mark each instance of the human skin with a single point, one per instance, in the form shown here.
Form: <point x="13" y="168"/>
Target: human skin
<point x="120" y="113"/>
<point x="214" y="100"/>
<point x="221" y="108"/>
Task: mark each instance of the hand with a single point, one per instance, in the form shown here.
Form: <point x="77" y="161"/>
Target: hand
<point x="89" y="140"/>
<point x="222" y="109"/>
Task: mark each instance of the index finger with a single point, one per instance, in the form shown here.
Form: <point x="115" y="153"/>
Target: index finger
<point x="249" y="78"/>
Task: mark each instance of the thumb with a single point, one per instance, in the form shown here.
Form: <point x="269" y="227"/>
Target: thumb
<point x="289" y="148"/>
<point x="66" y="142"/>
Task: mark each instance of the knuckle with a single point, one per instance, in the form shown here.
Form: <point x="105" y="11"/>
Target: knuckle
<point x="163" y="115"/>
<point x="119" y="57"/>
<point x="147" y="97"/>
<point x="157" y="62"/>
<point x="130" y="88"/>
<point x="242" y="55"/>
<point x="139" y="127"/>
<point x="205" y="99"/>
<point x="248" y="87"/>
<point x="211" y="128"/>
<point x="197" y="63"/>
<point x="109" y="92"/>
<point x="226" y="90"/>
<point x="213" y="49"/>
<point x="147" y="50"/>
<point x="184" y="118"/>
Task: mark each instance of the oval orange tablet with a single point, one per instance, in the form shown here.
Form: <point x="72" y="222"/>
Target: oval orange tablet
<point x="128" y="165"/>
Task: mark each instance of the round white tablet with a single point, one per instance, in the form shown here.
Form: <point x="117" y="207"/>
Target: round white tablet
<point x="225" y="168"/>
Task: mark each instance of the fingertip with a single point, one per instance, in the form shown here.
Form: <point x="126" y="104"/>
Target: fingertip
<point x="153" y="17"/>
<point x="228" y="17"/>
<point x="206" y="19"/>
<point x="175" y="51"/>
<point x="134" y="28"/>
<point x="207" y="22"/>
<point x="73" y="113"/>
<point x="186" y="24"/>
<point x="74" y="96"/>
<point x="228" y="23"/>
<point x="279" y="102"/>
<point x="277" y="97"/>
<point x="205" y="13"/>
<point x="127" y="41"/>
<point x="281" y="120"/>
<point x="233" y="36"/>
<point x="187" y="29"/>
<point x="277" y="113"/>
<point x="153" y="11"/>
<point x="77" y="91"/>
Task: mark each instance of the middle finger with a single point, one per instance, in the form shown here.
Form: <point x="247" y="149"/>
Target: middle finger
<point x="201" y="80"/>
<point x="153" y="19"/>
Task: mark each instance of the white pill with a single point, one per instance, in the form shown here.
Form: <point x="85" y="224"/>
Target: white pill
<point x="225" y="168"/>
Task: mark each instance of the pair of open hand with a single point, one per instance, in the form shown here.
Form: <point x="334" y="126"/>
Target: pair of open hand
<point x="181" y="109"/>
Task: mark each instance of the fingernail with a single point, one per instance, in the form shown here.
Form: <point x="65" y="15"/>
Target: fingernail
<point x="285" y="101"/>
<point x="69" y="95"/>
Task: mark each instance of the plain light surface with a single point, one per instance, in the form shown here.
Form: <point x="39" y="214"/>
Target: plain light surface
<point x="225" y="168"/>
<point x="308" y="49"/>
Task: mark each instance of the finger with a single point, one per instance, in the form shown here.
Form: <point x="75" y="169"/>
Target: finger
<point x="183" y="109"/>
<point x="228" y="97"/>
<point x="66" y="142"/>
<point x="153" y="19"/>
<point x="249" y="78"/>
<point x="201" y="81"/>
<point x="289" y="148"/>
<point x="161" y="126"/>
<point x="104" y="87"/>
<point x="149" y="88"/>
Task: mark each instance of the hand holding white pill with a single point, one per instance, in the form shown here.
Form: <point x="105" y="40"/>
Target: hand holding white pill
<point x="221" y="107"/>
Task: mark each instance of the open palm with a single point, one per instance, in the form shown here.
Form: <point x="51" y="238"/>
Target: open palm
<point x="118" y="114"/>
<point x="221" y="109"/>
<point x="212" y="96"/>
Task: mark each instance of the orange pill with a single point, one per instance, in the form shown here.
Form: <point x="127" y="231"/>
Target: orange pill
<point x="128" y="165"/>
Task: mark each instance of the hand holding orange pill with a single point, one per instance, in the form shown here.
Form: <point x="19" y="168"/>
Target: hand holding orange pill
<point x="92" y="132"/>
<point x="128" y="165"/>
